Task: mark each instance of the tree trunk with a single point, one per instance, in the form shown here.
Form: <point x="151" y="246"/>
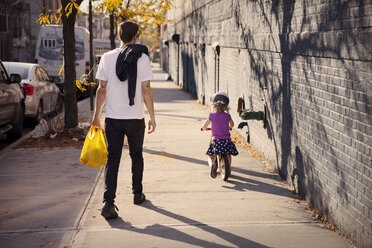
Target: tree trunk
<point x="71" y="111"/>
<point x="112" y="30"/>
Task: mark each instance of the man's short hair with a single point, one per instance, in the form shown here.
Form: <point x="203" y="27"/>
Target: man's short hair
<point x="127" y="30"/>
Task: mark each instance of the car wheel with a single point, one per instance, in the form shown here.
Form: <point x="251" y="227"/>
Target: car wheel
<point x="17" y="125"/>
<point x="40" y="113"/>
<point x="59" y="104"/>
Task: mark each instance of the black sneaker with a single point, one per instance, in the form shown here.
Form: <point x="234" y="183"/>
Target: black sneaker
<point x="214" y="170"/>
<point x="139" y="198"/>
<point x="108" y="211"/>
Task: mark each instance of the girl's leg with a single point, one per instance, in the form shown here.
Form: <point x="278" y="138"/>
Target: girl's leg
<point x="211" y="160"/>
<point x="229" y="158"/>
<point x="212" y="164"/>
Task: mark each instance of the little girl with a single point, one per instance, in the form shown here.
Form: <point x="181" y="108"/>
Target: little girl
<point x="221" y="125"/>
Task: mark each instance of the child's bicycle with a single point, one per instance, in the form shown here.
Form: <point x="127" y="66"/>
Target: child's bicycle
<point x="222" y="163"/>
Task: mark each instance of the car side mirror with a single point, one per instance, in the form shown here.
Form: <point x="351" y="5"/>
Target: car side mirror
<point x="15" y="78"/>
<point x="98" y="59"/>
<point x="55" y="79"/>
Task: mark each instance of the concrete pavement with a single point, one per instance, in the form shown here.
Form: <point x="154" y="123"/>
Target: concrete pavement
<point x="48" y="199"/>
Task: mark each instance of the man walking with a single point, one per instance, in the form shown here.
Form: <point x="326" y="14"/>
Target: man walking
<point x="124" y="76"/>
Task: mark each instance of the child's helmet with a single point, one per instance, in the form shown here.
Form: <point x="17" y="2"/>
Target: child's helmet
<point x="221" y="97"/>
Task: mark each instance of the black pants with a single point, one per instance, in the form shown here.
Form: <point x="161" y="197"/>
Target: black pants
<point x="115" y="132"/>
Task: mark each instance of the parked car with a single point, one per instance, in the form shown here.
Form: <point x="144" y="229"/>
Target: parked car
<point x="82" y="92"/>
<point x="12" y="105"/>
<point x="42" y="94"/>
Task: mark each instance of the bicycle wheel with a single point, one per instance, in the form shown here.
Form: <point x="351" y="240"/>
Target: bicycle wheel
<point x="224" y="166"/>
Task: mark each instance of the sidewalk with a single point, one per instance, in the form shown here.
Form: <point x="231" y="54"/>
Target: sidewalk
<point x="48" y="199"/>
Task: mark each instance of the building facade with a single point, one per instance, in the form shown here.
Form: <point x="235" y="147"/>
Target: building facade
<point x="19" y="28"/>
<point x="14" y="30"/>
<point x="310" y="63"/>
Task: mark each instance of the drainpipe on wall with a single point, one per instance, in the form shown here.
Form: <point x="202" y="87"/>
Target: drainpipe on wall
<point x="216" y="49"/>
<point x="176" y="38"/>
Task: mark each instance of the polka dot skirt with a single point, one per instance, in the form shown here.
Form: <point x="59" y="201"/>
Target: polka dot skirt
<point x="222" y="146"/>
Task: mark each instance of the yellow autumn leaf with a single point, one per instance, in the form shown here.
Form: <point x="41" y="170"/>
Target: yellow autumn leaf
<point x="67" y="7"/>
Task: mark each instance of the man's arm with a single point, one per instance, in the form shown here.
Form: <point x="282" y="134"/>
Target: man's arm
<point x="149" y="102"/>
<point x="100" y="101"/>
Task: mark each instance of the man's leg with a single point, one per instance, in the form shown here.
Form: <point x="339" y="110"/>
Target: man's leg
<point x="115" y="139"/>
<point x="135" y="133"/>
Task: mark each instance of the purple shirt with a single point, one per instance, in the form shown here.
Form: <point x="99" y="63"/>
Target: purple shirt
<point x="220" y="125"/>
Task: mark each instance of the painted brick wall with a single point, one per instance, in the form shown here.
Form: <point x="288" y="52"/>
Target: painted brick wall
<point x="311" y="62"/>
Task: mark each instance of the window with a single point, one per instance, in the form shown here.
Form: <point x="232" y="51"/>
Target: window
<point x="3" y="23"/>
<point x="49" y="43"/>
<point x="22" y="71"/>
<point x="44" y="74"/>
<point x="41" y="75"/>
<point x="38" y="74"/>
<point x="2" y="75"/>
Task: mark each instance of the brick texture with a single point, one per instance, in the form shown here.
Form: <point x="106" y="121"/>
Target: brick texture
<point x="311" y="62"/>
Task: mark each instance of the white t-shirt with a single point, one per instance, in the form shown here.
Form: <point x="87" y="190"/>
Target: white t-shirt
<point x="117" y="101"/>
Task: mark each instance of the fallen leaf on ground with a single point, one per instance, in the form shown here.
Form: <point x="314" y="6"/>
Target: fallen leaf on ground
<point x="66" y="138"/>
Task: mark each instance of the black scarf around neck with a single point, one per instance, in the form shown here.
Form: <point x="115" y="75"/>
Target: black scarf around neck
<point x="126" y="67"/>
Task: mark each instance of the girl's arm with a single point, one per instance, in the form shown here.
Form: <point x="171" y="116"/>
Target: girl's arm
<point x="206" y="124"/>
<point x="231" y="123"/>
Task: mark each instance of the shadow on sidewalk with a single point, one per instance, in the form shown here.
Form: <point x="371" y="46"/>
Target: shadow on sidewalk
<point x="240" y="183"/>
<point x="192" y="118"/>
<point x="175" y="156"/>
<point x="244" y="183"/>
<point x="167" y="232"/>
<point x="236" y="182"/>
<point x="171" y="95"/>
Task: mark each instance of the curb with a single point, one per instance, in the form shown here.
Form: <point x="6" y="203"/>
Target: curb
<point x="15" y="143"/>
<point x="4" y="151"/>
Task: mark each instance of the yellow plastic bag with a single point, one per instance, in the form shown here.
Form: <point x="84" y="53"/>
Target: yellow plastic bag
<point x="94" y="153"/>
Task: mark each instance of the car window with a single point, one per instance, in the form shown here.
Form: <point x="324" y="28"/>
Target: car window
<point x="3" y="74"/>
<point x="40" y="75"/>
<point x="45" y="74"/>
<point x="23" y="72"/>
<point x="2" y="77"/>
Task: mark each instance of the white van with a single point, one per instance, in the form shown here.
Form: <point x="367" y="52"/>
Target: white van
<point x="49" y="50"/>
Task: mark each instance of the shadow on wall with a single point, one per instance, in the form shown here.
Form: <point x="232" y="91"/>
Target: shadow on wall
<point x="192" y="51"/>
<point x="188" y="76"/>
<point x="278" y="82"/>
<point x="299" y="44"/>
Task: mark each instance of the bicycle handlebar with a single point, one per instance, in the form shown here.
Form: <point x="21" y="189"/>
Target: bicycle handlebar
<point x="208" y="129"/>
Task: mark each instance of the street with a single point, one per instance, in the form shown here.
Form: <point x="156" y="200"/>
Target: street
<point x="28" y="126"/>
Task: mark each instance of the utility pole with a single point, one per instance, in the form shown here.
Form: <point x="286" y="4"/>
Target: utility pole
<point x="91" y="58"/>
